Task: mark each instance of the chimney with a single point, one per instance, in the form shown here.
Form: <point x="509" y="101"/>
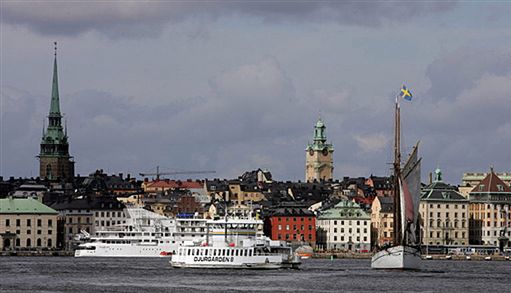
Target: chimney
<point x="120" y="175"/>
<point x="129" y="176"/>
<point x="430" y="177"/>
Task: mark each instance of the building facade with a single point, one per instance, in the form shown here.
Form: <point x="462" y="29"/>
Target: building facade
<point x="490" y="218"/>
<point x="54" y="160"/>
<point x="444" y="214"/>
<point x="346" y="226"/>
<point x="26" y="223"/>
<point x="291" y="224"/>
<point x="319" y="162"/>
<point x="382" y="220"/>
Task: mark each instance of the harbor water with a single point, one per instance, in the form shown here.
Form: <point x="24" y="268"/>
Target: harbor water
<point x="67" y="274"/>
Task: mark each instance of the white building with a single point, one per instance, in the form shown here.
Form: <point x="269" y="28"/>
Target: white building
<point x="346" y="227"/>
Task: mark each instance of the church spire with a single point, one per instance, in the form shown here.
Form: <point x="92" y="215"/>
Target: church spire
<point x="55" y="103"/>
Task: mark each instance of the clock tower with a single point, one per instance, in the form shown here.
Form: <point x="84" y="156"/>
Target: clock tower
<point x="319" y="162"/>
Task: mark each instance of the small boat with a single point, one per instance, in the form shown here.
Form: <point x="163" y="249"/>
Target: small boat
<point x="304" y="251"/>
<point x="468" y="257"/>
<point x="428" y="257"/>
<point x="487" y="258"/>
<point x="448" y="257"/>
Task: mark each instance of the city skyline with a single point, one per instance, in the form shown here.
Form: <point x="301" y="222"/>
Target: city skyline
<point x="240" y="87"/>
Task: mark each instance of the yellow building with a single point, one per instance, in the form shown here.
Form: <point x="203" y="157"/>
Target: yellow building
<point x="27" y="223"/>
<point x="319" y="162"/>
<point x="382" y="220"/>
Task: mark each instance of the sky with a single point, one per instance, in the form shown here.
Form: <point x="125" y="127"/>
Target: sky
<point x="234" y="86"/>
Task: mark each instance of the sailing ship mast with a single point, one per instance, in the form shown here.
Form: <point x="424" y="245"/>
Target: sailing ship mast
<point x="397" y="175"/>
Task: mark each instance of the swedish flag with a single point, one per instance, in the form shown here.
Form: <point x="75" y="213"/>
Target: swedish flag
<point x="406" y="93"/>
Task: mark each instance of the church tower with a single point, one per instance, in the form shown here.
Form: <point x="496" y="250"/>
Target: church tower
<point x="319" y="162"/>
<point x="54" y="159"/>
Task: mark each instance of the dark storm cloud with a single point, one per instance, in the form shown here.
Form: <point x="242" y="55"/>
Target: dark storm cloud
<point x="463" y="120"/>
<point x="130" y="19"/>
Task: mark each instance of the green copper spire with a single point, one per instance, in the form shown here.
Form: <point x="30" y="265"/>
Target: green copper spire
<point x="319" y="139"/>
<point x="54" y="159"/>
<point x="438" y="175"/>
<point x="319" y="131"/>
<point x="55" y="104"/>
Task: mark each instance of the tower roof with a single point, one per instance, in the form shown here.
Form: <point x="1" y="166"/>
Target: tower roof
<point x="491" y="183"/>
<point x="320" y="123"/>
<point x="55" y="103"/>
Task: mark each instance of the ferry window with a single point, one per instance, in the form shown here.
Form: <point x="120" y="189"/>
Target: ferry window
<point x="228" y="252"/>
<point x="214" y="252"/>
<point x="250" y="253"/>
<point x="223" y="252"/>
<point x="189" y="251"/>
<point x="236" y="252"/>
<point x="206" y="251"/>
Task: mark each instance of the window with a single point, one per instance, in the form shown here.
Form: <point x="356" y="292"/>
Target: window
<point x="18" y="222"/>
<point x="29" y="222"/>
<point x="335" y="222"/>
<point x="50" y="223"/>
<point x="39" y="222"/>
<point x="7" y="222"/>
<point x="280" y="227"/>
<point x="287" y="227"/>
<point x="29" y="231"/>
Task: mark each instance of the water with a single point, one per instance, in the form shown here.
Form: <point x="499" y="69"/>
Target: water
<point x="67" y="274"/>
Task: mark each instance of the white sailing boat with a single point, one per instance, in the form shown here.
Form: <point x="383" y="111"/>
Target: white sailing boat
<point x="404" y="253"/>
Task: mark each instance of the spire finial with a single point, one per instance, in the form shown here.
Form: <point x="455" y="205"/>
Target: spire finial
<point x="55" y="43"/>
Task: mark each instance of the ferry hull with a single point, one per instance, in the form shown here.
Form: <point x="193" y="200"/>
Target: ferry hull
<point x="397" y="257"/>
<point x="126" y="251"/>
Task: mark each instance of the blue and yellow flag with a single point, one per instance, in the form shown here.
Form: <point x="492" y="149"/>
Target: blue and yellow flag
<point x="406" y="93"/>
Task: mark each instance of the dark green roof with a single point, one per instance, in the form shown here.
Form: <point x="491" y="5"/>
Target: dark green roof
<point x="24" y="206"/>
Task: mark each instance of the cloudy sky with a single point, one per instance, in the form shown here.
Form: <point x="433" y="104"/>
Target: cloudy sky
<point x="235" y="85"/>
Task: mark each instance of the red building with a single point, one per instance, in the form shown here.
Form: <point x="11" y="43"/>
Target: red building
<point x="291" y="224"/>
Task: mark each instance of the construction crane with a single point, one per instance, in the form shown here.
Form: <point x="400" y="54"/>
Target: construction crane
<point x="158" y="173"/>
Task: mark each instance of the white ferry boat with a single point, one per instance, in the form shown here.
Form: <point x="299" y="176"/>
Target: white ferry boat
<point x="147" y="234"/>
<point x="248" y="253"/>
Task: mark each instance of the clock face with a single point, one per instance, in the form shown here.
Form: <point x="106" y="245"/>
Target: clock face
<point x="325" y="151"/>
<point x="311" y="152"/>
